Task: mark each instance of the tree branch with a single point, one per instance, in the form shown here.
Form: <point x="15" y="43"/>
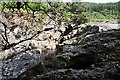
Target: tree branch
<point x="5" y="32"/>
<point x="3" y="37"/>
<point x="40" y="10"/>
<point x="14" y="44"/>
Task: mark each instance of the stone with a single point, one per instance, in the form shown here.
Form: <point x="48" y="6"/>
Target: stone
<point x="85" y="54"/>
<point x="20" y="63"/>
<point x="105" y="72"/>
<point x="82" y="61"/>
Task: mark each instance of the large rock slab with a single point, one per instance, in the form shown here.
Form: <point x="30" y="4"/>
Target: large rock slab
<point x="17" y="65"/>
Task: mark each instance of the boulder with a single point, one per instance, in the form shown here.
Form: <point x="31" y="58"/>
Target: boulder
<point x="19" y="64"/>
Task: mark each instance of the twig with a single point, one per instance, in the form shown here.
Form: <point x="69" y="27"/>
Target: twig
<point x="14" y="44"/>
<point x="5" y="37"/>
<point x="40" y="10"/>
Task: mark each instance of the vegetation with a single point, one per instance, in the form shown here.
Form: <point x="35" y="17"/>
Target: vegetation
<point x="71" y="14"/>
<point x="102" y="12"/>
<point x="37" y="14"/>
<point x="61" y="11"/>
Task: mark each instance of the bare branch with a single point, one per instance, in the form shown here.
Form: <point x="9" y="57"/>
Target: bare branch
<point x="14" y="44"/>
<point x="3" y="36"/>
<point x="40" y="10"/>
<point x="5" y="32"/>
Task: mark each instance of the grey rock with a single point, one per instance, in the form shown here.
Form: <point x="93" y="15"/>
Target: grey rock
<point x="19" y="64"/>
<point x="92" y="54"/>
<point x="107" y="71"/>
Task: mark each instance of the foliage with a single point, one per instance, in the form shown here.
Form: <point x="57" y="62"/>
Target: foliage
<point x="32" y="16"/>
<point x="102" y="11"/>
<point x="62" y="12"/>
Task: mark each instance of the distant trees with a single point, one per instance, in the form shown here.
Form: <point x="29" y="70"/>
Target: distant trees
<point x="101" y="6"/>
<point x="109" y="11"/>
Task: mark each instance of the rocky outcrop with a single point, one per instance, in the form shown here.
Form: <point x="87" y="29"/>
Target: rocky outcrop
<point x="95" y="57"/>
<point x="20" y="60"/>
<point x="99" y="47"/>
<point x="86" y="53"/>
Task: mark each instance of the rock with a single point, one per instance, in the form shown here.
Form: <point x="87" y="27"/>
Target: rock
<point x="71" y="48"/>
<point x="85" y="54"/>
<point x="96" y="56"/>
<point x="90" y="29"/>
<point x="107" y="71"/>
<point x="63" y="59"/>
<point x="77" y="35"/>
<point x="105" y="44"/>
<point x="19" y="64"/>
<point x="82" y="61"/>
<point x="106" y="26"/>
<point x="17" y="33"/>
